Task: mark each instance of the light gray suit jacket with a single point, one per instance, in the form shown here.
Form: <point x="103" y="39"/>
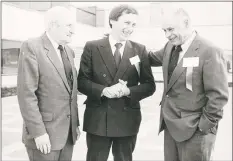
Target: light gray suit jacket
<point x="46" y="101"/>
<point x="184" y="110"/>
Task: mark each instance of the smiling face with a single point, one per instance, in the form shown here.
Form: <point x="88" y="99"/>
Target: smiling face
<point x="60" y="25"/>
<point x="64" y="30"/>
<point x="176" y="29"/>
<point x="124" y="26"/>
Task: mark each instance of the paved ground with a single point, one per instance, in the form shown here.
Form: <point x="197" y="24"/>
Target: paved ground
<point x="149" y="145"/>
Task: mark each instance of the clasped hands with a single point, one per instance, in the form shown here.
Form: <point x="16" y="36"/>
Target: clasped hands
<point x="117" y="91"/>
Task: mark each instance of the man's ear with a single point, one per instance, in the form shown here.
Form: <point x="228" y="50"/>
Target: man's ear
<point x="112" y="22"/>
<point x="54" y="24"/>
<point x="186" y="23"/>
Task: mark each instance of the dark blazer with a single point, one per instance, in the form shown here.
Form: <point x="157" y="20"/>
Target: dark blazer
<point x="118" y="116"/>
<point x="45" y="98"/>
<point x="184" y="110"/>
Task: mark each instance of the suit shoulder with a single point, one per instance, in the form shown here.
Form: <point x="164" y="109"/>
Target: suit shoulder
<point x="95" y="42"/>
<point x="32" y="43"/>
<point x="212" y="50"/>
<point x="136" y="44"/>
<point x="209" y="44"/>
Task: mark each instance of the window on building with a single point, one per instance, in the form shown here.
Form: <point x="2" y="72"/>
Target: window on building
<point x="9" y="61"/>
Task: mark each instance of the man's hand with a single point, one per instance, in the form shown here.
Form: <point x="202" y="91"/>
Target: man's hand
<point x="43" y="143"/>
<point x="116" y="91"/>
<point x="113" y="91"/>
<point x="107" y="92"/>
<point x="78" y="133"/>
<point x="124" y="89"/>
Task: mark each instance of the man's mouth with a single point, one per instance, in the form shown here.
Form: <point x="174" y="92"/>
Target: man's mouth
<point x="126" y="33"/>
<point x="172" y="39"/>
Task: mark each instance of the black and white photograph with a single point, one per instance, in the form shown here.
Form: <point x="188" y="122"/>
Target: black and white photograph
<point x="116" y="81"/>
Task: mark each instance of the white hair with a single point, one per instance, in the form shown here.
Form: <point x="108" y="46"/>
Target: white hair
<point x="56" y="15"/>
<point x="175" y="10"/>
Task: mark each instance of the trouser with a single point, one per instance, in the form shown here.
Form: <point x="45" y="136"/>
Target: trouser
<point x="65" y="154"/>
<point x="197" y="148"/>
<point x="99" y="147"/>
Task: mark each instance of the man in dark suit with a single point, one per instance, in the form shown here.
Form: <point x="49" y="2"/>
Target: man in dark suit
<point x="195" y="89"/>
<point x="115" y="75"/>
<point x="47" y="92"/>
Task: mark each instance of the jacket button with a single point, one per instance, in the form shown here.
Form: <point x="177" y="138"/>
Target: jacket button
<point x="167" y="96"/>
<point x="68" y="116"/>
<point x="104" y="75"/>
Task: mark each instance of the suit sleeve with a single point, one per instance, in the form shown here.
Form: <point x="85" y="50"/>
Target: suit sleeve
<point x="156" y="58"/>
<point x="27" y="84"/>
<point x="85" y="83"/>
<point x="216" y="89"/>
<point x="147" y="84"/>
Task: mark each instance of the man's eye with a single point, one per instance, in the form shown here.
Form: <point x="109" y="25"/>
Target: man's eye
<point x="170" y="29"/>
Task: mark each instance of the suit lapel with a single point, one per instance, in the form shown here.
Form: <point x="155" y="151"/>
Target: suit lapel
<point x="165" y="64"/>
<point x="70" y="57"/>
<point x="51" y="54"/>
<point x="107" y="56"/>
<point x="191" y="52"/>
<point x="125" y="63"/>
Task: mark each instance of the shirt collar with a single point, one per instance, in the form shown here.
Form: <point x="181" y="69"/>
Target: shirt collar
<point x="54" y="43"/>
<point x="188" y="42"/>
<point x="112" y="42"/>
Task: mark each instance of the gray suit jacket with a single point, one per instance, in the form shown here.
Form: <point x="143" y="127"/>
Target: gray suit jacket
<point x="184" y="110"/>
<point x="46" y="101"/>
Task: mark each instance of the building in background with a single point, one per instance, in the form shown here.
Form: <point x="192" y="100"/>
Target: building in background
<point x="23" y="20"/>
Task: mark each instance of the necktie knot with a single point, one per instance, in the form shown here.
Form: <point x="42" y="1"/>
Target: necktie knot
<point x="178" y="48"/>
<point x="118" y="45"/>
<point x="60" y="47"/>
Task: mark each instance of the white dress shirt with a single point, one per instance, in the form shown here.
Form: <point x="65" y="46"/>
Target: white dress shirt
<point x="113" y="47"/>
<point x="55" y="45"/>
<point x="186" y="45"/>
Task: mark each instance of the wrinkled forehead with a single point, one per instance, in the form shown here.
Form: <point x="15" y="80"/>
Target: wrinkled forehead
<point x="128" y="17"/>
<point x="170" y="21"/>
<point x="66" y="18"/>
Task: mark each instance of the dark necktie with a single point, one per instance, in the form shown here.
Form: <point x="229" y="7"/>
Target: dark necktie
<point x="67" y="66"/>
<point x="173" y="60"/>
<point x="117" y="54"/>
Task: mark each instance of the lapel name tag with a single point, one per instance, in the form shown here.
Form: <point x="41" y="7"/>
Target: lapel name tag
<point x="191" y="62"/>
<point x="134" y="60"/>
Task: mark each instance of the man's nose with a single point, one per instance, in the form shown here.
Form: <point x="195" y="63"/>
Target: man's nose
<point x="168" y="34"/>
<point x="130" y="28"/>
<point x="72" y="30"/>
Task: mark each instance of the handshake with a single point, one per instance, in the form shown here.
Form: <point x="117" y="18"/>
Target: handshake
<point x="116" y="91"/>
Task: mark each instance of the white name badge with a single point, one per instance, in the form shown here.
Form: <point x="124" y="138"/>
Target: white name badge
<point x="191" y="62"/>
<point x="134" y="60"/>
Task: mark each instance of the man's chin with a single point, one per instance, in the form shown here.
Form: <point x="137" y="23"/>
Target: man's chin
<point x="67" y="41"/>
<point x="174" y="43"/>
<point x="124" y="38"/>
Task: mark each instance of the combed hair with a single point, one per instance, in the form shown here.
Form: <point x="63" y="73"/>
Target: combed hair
<point x="176" y="11"/>
<point x="117" y="11"/>
<point x="54" y="14"/>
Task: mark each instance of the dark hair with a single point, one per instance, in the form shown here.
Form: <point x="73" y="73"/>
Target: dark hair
<point x="118" y="11"/>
